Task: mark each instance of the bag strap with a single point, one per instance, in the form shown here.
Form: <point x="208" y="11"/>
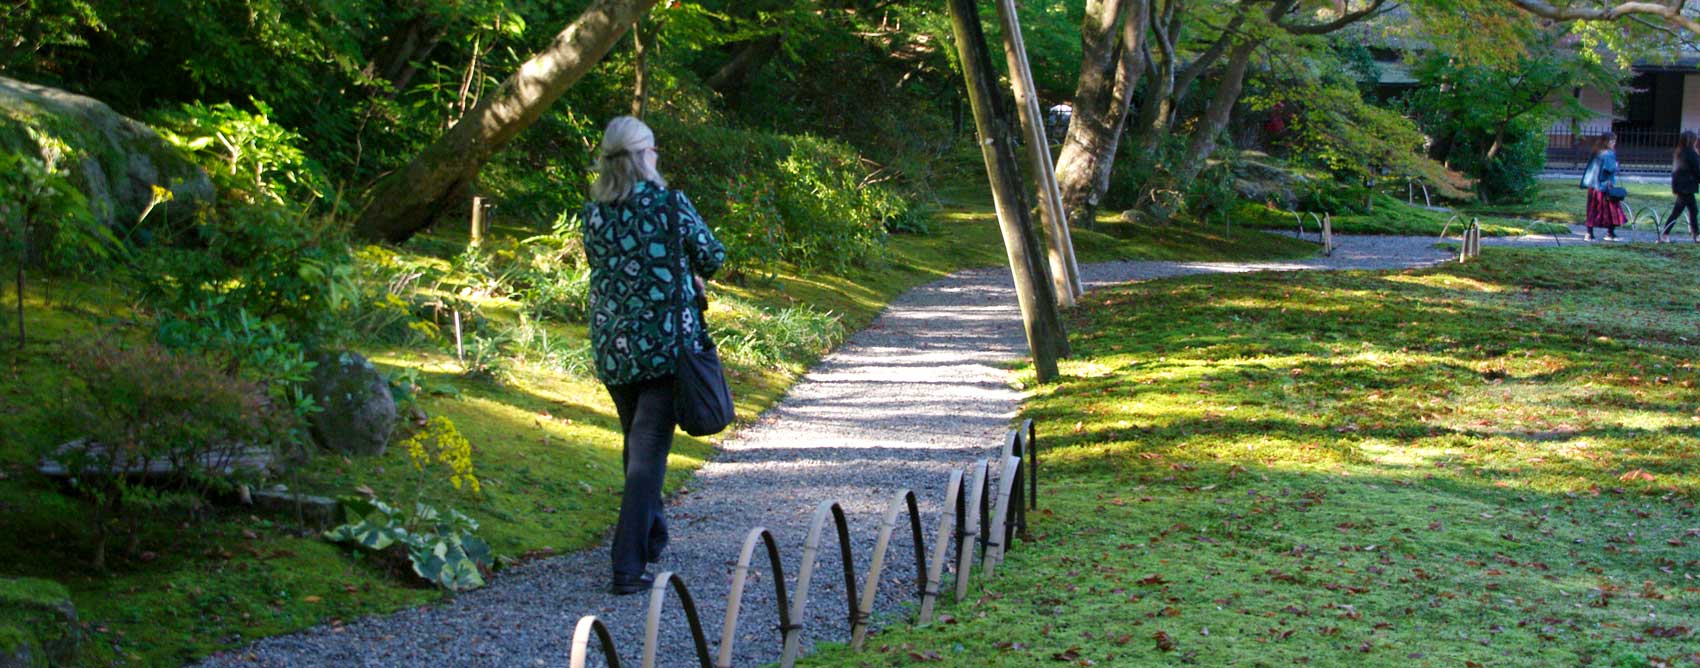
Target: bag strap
<point x="685" y="277"/>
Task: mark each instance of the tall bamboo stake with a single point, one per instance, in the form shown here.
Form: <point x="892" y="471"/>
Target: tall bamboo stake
<point x="1065" y="271"/>
<point x="1046" y="338"/>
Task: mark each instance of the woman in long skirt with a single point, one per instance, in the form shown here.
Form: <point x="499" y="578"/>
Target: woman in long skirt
<point x="1601" y="177"/>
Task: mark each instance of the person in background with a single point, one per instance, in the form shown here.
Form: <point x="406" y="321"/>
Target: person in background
<point x="645" y="245"/>
<point x="1600" y="177"/>
<point x="1684" y="182"/>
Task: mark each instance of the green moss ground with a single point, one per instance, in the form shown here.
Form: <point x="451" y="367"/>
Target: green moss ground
<point x="1395" y="216"/>
<point x="546" y="448"/>
<point x="1489" y="464"/>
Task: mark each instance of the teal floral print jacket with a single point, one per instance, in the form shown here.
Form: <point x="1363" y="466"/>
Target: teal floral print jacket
<point x="639" y="282"/>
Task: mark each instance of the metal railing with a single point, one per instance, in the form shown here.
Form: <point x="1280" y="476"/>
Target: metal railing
<point x="978" y="518"/>
<point x="1637" y="149"/>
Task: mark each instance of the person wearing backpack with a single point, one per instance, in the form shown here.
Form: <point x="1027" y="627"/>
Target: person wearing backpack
<point x="646" y="245"/>
<point x="1684" y="182"/>
<point x="1600" y="180"/>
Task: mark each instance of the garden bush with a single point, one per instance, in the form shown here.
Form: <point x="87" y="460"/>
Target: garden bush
<point x="775" y="198"/>
<point x="144" y="404"/>
<point x="441" y="547"/>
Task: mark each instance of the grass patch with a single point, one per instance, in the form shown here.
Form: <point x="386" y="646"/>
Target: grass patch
<point x="546" y="440"/>
<point x="1485" y="464"/>
<point x="1396" y="217"/>
<point x="1560" y="201"/>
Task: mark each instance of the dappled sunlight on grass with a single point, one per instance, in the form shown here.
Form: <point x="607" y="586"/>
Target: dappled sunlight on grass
<point x="1445" y="282"/>
<point x="1440" y="467"/>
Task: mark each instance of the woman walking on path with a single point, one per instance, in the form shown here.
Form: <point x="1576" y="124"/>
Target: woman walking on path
<point x="1684" y="182"/>
<point x="646" y="245"/>
<point x="1600" y="177"/>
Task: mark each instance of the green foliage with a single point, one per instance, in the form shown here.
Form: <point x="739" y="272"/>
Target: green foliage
<point x="1511" y="175"/>
<point x="263" y="290"/>
<point x="1487" y="119"/>
<point x="1316" y="108"/>
<point x="892" y="66"/>
<point x="443" y="548"/>
<point x="781" y="198"/>
<point x="146" y="404"/>
<point x="250" y="157"/>
<point x="389" y="307"/>
<point x="44" y="221"/>
<point x="295" y="272"/>
<point x="750" y="335"/>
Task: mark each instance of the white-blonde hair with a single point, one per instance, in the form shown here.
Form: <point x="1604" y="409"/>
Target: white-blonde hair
<point x="619" y="161"/>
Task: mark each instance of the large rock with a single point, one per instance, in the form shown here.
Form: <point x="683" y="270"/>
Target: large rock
<point x="116" y="161"/>
<point x="38" y="624"/>
<point x="359" y="414"/>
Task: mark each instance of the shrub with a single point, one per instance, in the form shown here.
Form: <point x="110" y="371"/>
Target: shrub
<point x="146" y="404"/>
<point x="775" y="198"/>
<point x="1511" y="176"/>
<point x="769" y="338"/>
<point x="249" y="157"/>
<point x="264" y="289"/>
<point x="442" y="547"/>
<point x="44" y="221"/>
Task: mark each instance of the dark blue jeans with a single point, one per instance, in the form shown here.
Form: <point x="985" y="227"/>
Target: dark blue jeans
<point x="646" y="419"/>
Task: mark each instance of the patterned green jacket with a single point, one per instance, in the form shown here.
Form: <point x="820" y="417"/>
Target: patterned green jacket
<point x="638" y="280"/>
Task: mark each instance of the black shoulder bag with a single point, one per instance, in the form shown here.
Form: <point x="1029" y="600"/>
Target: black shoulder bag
<point x="702" y="401"/>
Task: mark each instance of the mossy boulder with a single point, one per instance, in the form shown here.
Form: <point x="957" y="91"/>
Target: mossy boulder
<point x="115" y="161"/>
<point x="358" y="412"/>
<point x="38" y="624"/>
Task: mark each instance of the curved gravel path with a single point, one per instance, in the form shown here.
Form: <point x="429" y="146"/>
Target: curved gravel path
<point x="899" y="405"/>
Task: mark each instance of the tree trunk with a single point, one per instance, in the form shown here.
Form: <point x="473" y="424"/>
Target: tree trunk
<point x="730" y="79"/>
<point x="642" y="41"/>
<point x="20" y="287"/>
<point x="397" y="61"/>
<point x="415" y="196"/>
<point x="1216" y="116"/>
<point x="1109" y="71"/>
<point x="1046" y="338"/>
<point x="1172" y="84"/>
<point x="1065" y="272"/>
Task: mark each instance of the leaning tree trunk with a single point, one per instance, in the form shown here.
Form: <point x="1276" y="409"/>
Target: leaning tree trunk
<point x="1047" y="340"/>
<point x="1216" y="116"/>
<point x="1109" y="71"/>
<point x="415" y="196"/>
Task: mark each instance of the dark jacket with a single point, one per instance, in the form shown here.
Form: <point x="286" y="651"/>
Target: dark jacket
<point x="1685" y="175"/>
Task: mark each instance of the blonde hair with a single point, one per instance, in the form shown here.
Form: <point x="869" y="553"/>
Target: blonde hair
<point x="619" y="161"/>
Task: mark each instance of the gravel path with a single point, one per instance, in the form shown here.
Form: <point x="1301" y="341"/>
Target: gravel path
<point x="917" y="393"/>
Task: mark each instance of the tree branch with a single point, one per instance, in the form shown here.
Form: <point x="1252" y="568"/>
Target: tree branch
<point x="1670" y="12"/>
<point x="1324" y="28"/>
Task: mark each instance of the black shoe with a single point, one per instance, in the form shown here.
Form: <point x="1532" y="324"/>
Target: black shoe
<point x="623" y="585"/>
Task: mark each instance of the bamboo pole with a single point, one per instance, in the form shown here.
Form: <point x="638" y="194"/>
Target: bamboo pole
<point x="477" y="221"/>
<point x="1046" y="338"/>
<point x="1065" y="270"/>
